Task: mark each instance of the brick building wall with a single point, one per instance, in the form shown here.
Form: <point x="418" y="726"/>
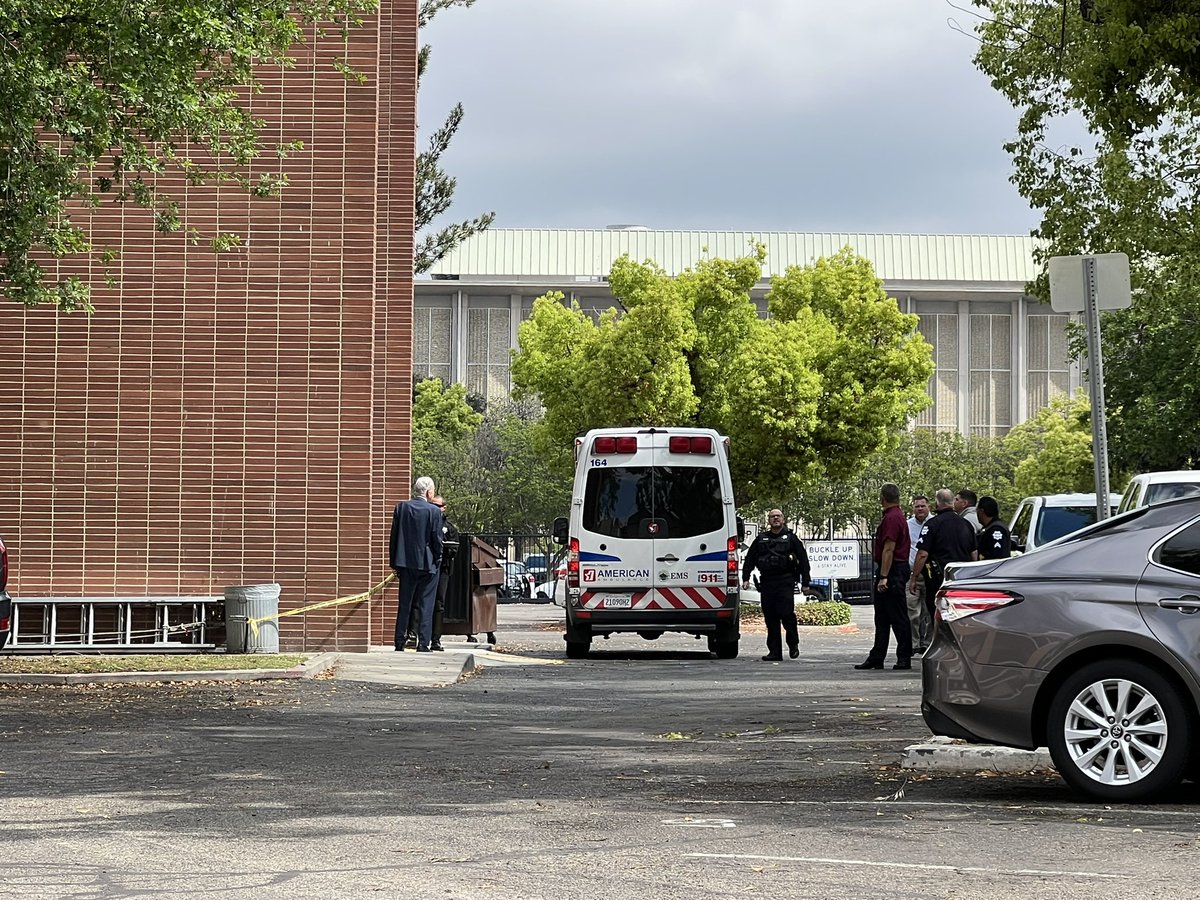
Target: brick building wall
<point x="236" y="418"/>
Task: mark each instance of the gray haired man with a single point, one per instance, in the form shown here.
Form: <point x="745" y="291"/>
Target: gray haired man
<point x="415" y="554"/>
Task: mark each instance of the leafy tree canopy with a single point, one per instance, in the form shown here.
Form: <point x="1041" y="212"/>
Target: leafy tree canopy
<point x="919" y="462"/>
<point x="486" y="466"/>
<point x="813" y="390"/>
<point x="101" y="97"/>
<point x="1053" y="450"/>
<point x="1129" y="71"/>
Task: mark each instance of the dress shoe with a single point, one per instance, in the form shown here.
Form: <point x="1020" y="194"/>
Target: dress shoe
<point x="772" y="658"/>
<point x="438" y="647"/>
<point x="901" y="665"/>
<point x="869" y="665"/>
<point x="794" y="652"/>
<point x="424" y="650"/>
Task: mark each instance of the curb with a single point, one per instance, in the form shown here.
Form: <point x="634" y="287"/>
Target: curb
<point x="313" y="667"/>
<point x="145" y="677"/>
<point x="947" y="755"/>
<point x="849" y="628"/>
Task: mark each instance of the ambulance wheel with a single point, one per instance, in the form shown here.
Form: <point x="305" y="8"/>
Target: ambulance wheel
<point x="723" y="649"/>
<point x="578" y="649"/>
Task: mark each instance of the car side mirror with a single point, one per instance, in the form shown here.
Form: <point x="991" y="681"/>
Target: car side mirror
<point x="741" y="530"/>
<point x="560" y="531"/>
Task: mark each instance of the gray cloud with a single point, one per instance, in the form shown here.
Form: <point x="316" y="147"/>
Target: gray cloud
<point x="865" y="115"/>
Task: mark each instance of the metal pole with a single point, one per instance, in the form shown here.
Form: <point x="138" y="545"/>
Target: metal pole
<point x="1096" y="386"/>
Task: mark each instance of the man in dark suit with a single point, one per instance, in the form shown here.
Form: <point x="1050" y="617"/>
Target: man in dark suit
<point x="415" y="553"/>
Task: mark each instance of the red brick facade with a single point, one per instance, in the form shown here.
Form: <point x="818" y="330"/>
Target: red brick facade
<point x="244" y="417"/>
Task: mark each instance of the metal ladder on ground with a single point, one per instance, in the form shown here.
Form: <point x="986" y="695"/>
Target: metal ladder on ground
<point x="116" y="624"/>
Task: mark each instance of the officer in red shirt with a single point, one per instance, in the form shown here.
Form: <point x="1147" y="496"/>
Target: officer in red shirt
<point x="891" y="575"/>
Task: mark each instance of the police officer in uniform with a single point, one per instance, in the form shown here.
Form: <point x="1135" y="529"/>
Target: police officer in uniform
<point x="994" y="540"/>
<point x="781" y="561"/>
<point x="946" y="538"/>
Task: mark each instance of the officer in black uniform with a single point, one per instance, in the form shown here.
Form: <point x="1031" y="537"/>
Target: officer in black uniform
<point x="781" y="561"/>
<point x="994" y="540"/>
<point x="945" y="538"/>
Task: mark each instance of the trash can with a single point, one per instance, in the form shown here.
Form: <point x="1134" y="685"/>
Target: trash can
<point x="251" y="601"/>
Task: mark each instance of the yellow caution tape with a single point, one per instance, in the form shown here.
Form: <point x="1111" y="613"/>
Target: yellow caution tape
<point x="324" y="604"/>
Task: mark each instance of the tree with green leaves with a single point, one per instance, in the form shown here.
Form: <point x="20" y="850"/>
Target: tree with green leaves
<point x="486" y="465"/>
<point x="812" y="391"/>
<point x="920" y="461"/>
<point x="435" y="189"/>
<point x="101" y="98"/>
<point x="1130" y="71"/>
<point x="1053" y="450"/>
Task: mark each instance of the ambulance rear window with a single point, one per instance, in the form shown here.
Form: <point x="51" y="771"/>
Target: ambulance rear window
<point x="623" y="501"/>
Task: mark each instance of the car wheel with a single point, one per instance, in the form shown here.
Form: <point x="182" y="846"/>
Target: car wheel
<point x="1119" y="731"/>
<point x="724" y="649"/>
<point x="578" y="649"/>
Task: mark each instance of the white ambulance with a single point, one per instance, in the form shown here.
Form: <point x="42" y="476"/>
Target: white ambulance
<point x="652" y="538"/>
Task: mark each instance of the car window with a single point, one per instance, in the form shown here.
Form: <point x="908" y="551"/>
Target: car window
<point x="1020" y="526"/>
<point x="685" y="501"/>
<point x="1057" y="521"/>
<point x="1181" y="551"/>
<point x="1129" y="498"/>
<point x="1161" y="493"/>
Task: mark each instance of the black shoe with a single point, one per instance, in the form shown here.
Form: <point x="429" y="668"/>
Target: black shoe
<point x="399" y="649"/>
<point x="410" y="640"/>
<point x="901" y="665"/>
<point x="471" y="639"/>
<point x="771" y="658"/>
<point x="438" y="647"/>
<point x="794" y="652"/>
<point x="423" y="650"/>
<point x="868" y="664"/>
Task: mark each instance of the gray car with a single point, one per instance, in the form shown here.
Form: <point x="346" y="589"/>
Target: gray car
<point x="1088" y="646"/>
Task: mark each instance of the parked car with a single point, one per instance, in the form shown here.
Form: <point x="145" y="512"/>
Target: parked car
<point x="1158" y="487"/>
<point x="1047" y="517"/>
<point x="536" y="564"/>
<point x="554" y="590"/>
<point x="518" y="584"/>
<point x="1086" y="646"/>
<point x="5" y="599"/>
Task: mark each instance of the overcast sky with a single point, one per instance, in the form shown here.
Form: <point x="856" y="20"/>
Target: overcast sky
<point x="790" y="115"/>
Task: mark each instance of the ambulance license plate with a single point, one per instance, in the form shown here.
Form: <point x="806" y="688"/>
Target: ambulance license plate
<point x="617" y="601"/>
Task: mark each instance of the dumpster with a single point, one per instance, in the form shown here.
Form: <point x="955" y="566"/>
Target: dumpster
<point x="251" y="601"/>
<point x="471" y="593"/>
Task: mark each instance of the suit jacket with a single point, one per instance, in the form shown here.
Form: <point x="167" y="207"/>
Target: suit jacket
<point x="416" y="540"/>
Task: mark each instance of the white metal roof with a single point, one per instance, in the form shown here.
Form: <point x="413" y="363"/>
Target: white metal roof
<point x="555" y="253"/>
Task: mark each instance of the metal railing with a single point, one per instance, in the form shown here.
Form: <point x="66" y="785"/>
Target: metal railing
<point x="128" y="624"/>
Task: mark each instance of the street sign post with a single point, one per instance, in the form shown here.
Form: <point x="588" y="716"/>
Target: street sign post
<point x="1089" y="284"/>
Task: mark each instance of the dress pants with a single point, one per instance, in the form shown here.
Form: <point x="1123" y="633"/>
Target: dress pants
<point x="779" y="608"/>
<point x="417" y="589"/>
<point x="891" y="615"/>
<point x="918" y="616"/>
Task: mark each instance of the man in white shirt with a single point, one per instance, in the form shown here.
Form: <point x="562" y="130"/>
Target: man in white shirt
<point x="918" y="613"/>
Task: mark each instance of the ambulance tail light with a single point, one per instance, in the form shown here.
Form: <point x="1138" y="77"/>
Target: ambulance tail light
<point x="608" y="444"/>
<point x="731" y="563"/>
<point x="683" y="444"/>
<point x="573" y="564"/>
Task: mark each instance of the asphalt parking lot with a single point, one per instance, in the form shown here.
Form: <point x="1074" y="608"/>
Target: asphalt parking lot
<point x="646" y="770"/>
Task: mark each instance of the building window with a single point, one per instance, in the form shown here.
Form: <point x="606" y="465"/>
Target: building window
<point x="488" y="357"/>
<point x="1049" y="367"/>
<point x="990" y="361"/>
<point x="432" y="343"/>
<point x="942" y="332"/>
